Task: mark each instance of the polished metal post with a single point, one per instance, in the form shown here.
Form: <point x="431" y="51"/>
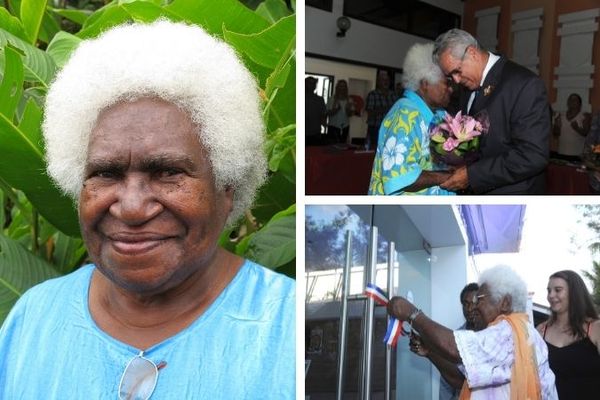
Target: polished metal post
<point x="369" y="319"/>
<point x="343" y="325"/>
<point x="388" y="350"/>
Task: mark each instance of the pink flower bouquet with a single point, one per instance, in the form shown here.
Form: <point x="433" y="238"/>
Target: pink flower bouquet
<point x="454" y="141"/>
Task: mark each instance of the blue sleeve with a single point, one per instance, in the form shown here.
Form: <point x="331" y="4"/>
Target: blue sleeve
<point x="400" y="148"/>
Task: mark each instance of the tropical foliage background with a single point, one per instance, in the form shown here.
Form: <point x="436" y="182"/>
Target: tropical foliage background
<point x="39" y="232"/>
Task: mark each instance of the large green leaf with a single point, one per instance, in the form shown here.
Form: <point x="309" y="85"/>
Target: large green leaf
<point x="32" y="14"/>
<point x="77" y="16"/>
<point x="212" y="15"/>
<point x="116" y="14"/>
<point x="22" y="162"/>
<point x="68" y="251"/>
<point x="275" y="244"/>
<point x="273" y="10"/>
<point x="12" y="24"/>
<point x="11" y="86"/>
<point x="19" y="270"/>
<point x="267" y="47"/>
<point x="280" y="109"/>
<point x="38" y="66"/>
<point x="49" y="28"/>
<point x="62" y="46"/>
<point x="276" y="195"/>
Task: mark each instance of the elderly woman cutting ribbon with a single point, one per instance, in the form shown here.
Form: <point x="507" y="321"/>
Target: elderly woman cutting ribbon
<point x="156" y="131"/>
<point x="508" y="359"/>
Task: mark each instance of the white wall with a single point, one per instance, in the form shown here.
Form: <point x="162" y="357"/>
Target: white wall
<point x="363" y="42"/>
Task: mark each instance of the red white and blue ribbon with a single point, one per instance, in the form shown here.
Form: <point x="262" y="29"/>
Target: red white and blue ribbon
<point x="394" y="328"/>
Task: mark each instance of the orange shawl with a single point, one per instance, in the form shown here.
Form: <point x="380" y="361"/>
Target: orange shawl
<point x="524" y="380"/>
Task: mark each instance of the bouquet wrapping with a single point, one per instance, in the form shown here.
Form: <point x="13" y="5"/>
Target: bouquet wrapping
<point x="454" y="140"/>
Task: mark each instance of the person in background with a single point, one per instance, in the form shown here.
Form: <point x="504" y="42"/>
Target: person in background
<point x="339" y="108"/>
<point x="315" y="112"/>
<point x="591" y="154"/>
<point x="402" y="163"/>
<point x="506" y="360"/>
<point x="516" y="148"/>
<point x="378" y="103"/>
<point x="571" y="129"/>
<point x="573" y="336"/>
<point x="447" y="391"/>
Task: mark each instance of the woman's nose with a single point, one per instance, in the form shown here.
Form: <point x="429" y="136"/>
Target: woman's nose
<point x="136" y="201"/>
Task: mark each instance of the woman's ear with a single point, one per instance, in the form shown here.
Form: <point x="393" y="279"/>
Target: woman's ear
<point x="506" y="304"/>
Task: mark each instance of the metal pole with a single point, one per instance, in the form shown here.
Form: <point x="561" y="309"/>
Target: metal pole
<point x="388" y="350"/>
<point x="344" y="319"/>
<point x="369" y="319"/>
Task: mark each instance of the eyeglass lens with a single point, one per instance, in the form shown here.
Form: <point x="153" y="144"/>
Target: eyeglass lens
<point x="138" y="380"/>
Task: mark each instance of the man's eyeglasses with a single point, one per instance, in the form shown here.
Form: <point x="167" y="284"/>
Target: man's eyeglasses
<point x="139" y="378"/>
<point x="476" y="298"/>
<point x="458" y="69"/>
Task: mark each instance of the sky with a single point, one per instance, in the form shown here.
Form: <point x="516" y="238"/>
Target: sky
<point x="546" y="247"/>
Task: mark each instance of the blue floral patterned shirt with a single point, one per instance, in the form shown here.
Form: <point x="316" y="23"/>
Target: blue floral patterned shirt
<point x="403" y="148"/>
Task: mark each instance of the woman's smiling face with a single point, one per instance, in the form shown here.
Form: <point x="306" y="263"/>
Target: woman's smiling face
<point x="149" y="210"/>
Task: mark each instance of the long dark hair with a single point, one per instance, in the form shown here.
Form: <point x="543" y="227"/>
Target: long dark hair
<point x="581" y="307"/>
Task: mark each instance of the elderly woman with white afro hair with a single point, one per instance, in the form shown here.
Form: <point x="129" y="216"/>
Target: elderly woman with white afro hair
<point x="156" y="131"/>
<point x="403" y="163"/>
<point x="506" y="360"/>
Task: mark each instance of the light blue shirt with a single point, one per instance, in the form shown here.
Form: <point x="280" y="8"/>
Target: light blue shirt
<point x="241" y="347"/>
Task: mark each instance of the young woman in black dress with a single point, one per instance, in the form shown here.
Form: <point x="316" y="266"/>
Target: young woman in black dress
<point x="573" y="336"/>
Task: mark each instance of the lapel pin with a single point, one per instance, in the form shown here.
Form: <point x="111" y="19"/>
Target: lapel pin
<point x="487" y="90"/>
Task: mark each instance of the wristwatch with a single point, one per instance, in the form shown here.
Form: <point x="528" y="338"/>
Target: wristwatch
<point x="411" y="317"/>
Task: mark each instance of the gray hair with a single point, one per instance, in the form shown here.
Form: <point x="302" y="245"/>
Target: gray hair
<point x="502" y="280"/>
<point x="418" y="65"/>
<point x="456" y="41"/>
<point x="179" y="63"/>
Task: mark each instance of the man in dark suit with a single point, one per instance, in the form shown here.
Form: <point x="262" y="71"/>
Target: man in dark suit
<point x="515" y="150"/>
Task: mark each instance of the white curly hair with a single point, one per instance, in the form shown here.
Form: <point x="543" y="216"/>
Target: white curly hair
<point x="418" y="65"/>
<point x="178" y="63"/>
<point x="502" y="280"/>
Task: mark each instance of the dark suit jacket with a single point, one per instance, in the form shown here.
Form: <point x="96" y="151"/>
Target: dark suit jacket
<point x="515" y="150"/>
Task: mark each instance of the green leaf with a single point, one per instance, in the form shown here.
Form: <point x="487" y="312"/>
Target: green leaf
<point x="49" y="28"/>
<point x="22" y="163"/>
<point x="77" y="16"/>
<point x="32" y="13"/>
<point x="62" y="46"/>
<point x="12" y="24"/>
<point x="19" y="270"/>
<point x="280" y="144"/>
<point x="273" y="10"/>
<point x="67" y="252"/>
<point x="2" y="210"/>
<point x="212" y="15"/>
<point x="267" y="47"/>
<point x="11" y="87"/>
<point x="276" y="195"/>
<point x="113" y="15"/>
<point x="275" y="244"/>
<point x="38" y="65"/>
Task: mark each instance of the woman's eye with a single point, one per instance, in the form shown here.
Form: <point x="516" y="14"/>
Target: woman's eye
<point x="104" y="174"/>
<point x="169" y="172"/>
